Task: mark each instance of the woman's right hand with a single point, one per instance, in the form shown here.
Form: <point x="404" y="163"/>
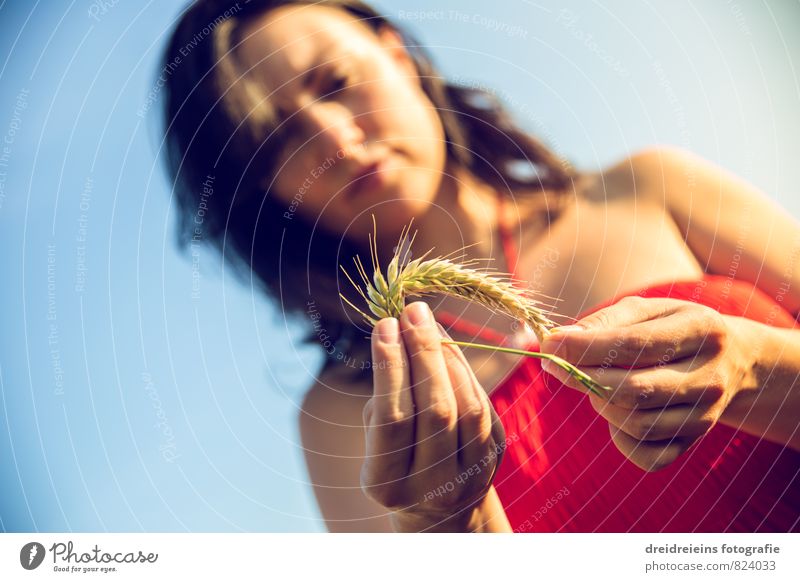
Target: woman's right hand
<point x="433" y="439"/>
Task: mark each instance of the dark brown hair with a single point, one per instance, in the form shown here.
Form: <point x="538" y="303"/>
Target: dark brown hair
<point x="217" y="125"/>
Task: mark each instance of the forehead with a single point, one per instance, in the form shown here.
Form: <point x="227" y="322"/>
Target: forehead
<point x="287" y="41"/>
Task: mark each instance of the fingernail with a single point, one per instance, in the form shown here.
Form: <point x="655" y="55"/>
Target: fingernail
<point x="418" y="313"/>
<point x="387" y="330"/>
<point x="443" y="331"/>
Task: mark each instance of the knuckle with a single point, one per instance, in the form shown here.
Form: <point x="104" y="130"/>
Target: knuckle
<point x="476" y="418"/>
<point x="633" y="346"/>
<point x="715" y="340"/>
<point x="635" y="391"/>
<point x="632" y="301"/>
<point x="398" y="417"/>
<point x="642" y="426"/>
<point x="388" y="495"/>
<point x="438" y="415"/>
<point x="394" y="422"/>
<point x="601" y="319"/>
<point x="475" y="411"/>
<point x="423" y="340"/>
<point x="643" y="396"/>
<point x="426" y="347"/>
<point x="715" y="388"/>
<point x="715" y="335"/>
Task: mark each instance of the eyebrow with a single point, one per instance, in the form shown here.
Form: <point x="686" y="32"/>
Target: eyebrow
<point x="307" y="79"/>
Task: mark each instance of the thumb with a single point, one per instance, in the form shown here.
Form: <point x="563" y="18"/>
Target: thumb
<point x="627" y="311"/>
<point x="556" y="337"/>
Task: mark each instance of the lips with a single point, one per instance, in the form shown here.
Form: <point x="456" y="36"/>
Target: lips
<point x="365" y="170"/>
<point x="367" y="177"/>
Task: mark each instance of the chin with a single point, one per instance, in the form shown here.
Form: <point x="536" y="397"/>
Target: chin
<point x="391" y="217"/>
<point x="407" y="197"/>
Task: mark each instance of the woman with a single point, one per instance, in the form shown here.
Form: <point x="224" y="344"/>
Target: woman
<point x="314" y="116"/>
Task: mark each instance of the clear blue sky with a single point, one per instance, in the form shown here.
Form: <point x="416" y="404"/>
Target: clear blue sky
<point x="130" y="405"/>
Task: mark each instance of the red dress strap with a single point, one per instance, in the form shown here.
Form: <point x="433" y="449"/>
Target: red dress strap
<point x="509" y="252"/>
<point x="452" y="322"/>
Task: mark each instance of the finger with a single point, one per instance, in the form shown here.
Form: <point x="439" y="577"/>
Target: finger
<point x="650" y="455"/>
<point x="683" y="420"/>
<point x="474" y="416"/>
<point x="632" y="338"/>
<point x="389" y="415"/>
<point x="392" y="386"/>
<point x="683" y="382"/>
<point x="436" y="438"/>
<point x="630" y="310"/>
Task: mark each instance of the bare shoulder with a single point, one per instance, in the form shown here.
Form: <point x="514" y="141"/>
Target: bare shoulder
<point x="332" y="433"/>
<point x="645" y="176"/>
<point x="679" y="180"/>
<point x="334" y="402"/>
<point x="332" y="406"/>
<point x="337" y="384"/>
<point x="715" y="212"/>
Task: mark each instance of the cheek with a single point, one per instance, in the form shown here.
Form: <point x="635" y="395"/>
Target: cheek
<point x="293" y="191"/>
<point x="286" y="181"/>
<point x="309" y="190"/>
<point x="405" y="114"/>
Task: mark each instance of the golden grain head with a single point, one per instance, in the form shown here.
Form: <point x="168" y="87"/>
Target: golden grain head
<point x="385" y="296"/>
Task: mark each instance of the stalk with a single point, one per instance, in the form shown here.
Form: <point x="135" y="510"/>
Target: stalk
<point x="385" y="295"/>
<point x="582" y="377"/>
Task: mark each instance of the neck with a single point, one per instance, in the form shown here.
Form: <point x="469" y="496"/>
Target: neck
<point x="464" y="213"/>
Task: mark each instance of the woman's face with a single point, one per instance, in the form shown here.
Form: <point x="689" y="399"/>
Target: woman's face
<point x="353" y="104"/>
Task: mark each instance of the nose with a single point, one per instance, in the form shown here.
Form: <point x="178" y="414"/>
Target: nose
<point x="332" y="129"/>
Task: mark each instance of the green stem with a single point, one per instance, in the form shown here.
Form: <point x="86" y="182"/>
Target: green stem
<point x="580" y="376"/>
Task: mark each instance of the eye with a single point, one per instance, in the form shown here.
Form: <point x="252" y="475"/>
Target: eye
<point x="337" y="82"/>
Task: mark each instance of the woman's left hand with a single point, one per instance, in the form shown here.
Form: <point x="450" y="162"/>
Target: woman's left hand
<point x="674" y="366"/>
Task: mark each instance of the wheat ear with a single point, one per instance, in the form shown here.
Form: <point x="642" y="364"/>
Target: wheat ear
<point x="385" y="295"/>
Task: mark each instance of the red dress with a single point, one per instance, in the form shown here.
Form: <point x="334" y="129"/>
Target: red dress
<point x="564" y="474"/>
